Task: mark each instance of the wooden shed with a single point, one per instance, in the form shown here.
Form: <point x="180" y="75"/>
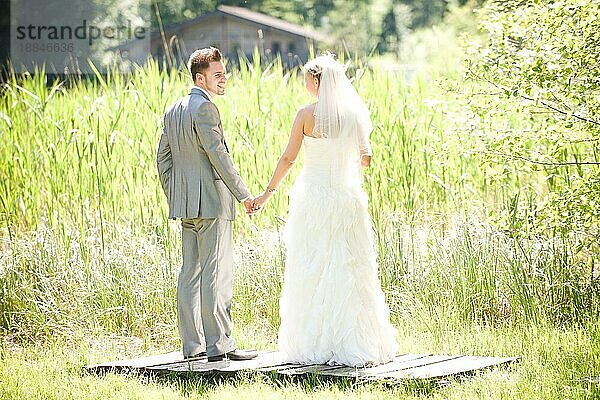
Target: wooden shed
<point x="235" y="31"/>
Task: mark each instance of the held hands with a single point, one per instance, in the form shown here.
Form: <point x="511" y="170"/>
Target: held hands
<point x="260" y="201"/>
<point x="254" y="205"/>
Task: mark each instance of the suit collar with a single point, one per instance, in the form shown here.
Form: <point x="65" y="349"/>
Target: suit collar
<point x="200" y="91"/>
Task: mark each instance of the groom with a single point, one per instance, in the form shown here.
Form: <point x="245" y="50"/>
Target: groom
<point x="202" y="186"/>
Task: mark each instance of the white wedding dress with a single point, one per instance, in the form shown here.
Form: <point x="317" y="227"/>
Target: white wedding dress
<point x="332" y="307"/>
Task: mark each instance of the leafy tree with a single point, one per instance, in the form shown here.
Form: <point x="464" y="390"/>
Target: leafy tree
<point x="350" y="24"/>
<point x="314" y="11"/>
<point x="287" y="10"/>
<point x="389" y="32"/>
<point x="394" y="27"/>
<point x="541" y="62"/>
<point x="4" y="33"/>
<point x="174" y="11"/>
<point x="304" y="12"/>
<point x="426" y="12"/>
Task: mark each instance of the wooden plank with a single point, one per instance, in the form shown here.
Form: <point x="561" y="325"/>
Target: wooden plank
<point x="264" y="359"/>
<point x="445" y="367"/>
<point x="281" y="367"/>
<point x="405" y="366"/>
<point x="320" y="369"/>
<point x="425" y="362"/>
<point x="199" y="366"/>
<point x="342" y="370"/>
<point x="393" y="365"/>
<point x="135" y="363"/>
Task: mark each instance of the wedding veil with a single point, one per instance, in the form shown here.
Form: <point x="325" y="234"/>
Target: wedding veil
<point x="340" y="113"/>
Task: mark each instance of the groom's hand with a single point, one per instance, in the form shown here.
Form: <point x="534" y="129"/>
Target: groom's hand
<point x="249" y="204"/>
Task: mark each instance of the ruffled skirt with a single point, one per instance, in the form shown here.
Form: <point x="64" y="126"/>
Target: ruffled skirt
<point x="332" y="307"/>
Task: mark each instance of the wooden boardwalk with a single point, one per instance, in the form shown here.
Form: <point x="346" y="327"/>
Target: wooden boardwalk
<point x="405" y="366"/>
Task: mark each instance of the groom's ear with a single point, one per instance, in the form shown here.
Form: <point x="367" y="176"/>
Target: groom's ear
<point x="199" y="77"/>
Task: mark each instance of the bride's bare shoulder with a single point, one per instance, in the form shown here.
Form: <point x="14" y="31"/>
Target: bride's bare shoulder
<point x="307" y="111"/>
<point x="306" y="119"/>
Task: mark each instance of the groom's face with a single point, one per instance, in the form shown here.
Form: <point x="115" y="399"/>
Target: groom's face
<point x="214" y="78"/>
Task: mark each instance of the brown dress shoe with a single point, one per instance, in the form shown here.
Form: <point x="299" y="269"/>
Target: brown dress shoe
<point x="235" y="355"/>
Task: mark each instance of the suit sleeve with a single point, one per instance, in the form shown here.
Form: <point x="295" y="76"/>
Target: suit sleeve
<point x="164" y="161"/>
<point x="208" y="128"/>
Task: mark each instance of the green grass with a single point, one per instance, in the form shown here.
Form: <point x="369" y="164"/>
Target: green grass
<point x="554" y="364"/>
<point x="89" y="260"/>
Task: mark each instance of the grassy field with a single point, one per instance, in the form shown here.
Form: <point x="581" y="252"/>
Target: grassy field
<point x="89" y="261"/>
<point x="554" y="364"/>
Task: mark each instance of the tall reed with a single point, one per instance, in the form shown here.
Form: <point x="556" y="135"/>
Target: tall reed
<point x="85" y="239"/>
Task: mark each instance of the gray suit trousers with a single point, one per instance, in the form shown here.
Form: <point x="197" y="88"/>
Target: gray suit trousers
<point x="205" y="286"/>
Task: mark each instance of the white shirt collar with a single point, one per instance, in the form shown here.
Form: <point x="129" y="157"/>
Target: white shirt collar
<point x="205" y="92"/>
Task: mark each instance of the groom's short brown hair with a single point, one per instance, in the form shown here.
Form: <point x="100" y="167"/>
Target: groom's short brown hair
<point x="201" y="58"/>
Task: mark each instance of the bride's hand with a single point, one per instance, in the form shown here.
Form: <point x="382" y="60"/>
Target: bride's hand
<point x="260" y="201"/>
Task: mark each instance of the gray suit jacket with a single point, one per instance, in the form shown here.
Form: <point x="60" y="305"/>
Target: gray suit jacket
<point x="194" y="165"/>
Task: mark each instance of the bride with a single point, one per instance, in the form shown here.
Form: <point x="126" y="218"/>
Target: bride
<point x="332" y="307"/>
